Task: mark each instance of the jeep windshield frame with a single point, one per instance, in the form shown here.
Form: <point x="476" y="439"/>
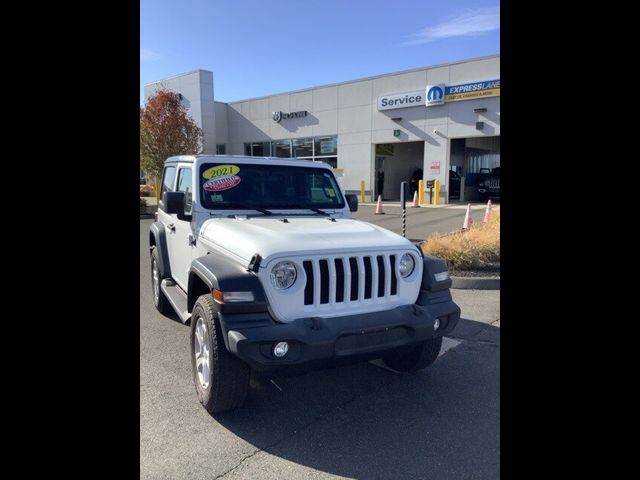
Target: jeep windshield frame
<point x="228" y="186"/>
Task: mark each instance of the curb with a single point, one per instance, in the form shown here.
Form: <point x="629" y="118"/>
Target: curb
<point x="476" y="283"/>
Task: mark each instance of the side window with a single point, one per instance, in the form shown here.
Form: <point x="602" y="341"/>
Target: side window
<point x="167" y="179"/>
<point x="184" y="185"/>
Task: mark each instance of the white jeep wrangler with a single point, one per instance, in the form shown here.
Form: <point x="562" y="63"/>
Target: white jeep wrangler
<point x="262" y="256"/>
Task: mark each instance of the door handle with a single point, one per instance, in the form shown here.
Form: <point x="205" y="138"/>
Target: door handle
<point x="171" y="227"/>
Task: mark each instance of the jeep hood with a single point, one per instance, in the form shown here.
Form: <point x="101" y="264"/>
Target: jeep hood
<point x="298" y="236"/>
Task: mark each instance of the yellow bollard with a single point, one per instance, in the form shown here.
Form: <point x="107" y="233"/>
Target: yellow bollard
<point x="420" y="192"/>
<point x="436" y="192"/>
<point x="362" y="191"/>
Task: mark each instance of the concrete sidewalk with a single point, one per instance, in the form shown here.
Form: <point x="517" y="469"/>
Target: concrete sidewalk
<point x="479" y="305"/>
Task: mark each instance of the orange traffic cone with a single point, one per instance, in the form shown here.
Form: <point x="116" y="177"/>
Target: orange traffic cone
<point x="415" y="200"/>
<point x="468" y="221"/>
<point x="379" y="206"/>
<point x="487" y="212"/>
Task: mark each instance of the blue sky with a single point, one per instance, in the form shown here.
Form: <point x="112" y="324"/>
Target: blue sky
<point x="262" y="47"/>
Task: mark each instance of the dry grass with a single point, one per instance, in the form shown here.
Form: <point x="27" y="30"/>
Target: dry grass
<point x="147" y="190"/>
<point x="469" y="249"/>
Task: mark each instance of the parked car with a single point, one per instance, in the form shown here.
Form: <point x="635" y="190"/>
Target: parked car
<point x="263" y="258"/>
<point x="489" y="183"/>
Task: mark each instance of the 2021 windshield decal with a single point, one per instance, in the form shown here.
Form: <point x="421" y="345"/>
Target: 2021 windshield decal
<point x="221" y="177"/>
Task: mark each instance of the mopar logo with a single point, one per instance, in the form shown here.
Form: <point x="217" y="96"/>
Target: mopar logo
<point x="435" y="94"/>
<point x="277" y="116"/>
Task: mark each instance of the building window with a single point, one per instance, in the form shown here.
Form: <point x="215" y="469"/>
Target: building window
<point x="323" y="148"/>
<point x="281" y="148"/>
<point x="221" y="149"/>
<point x="302" y="147"/>
<point x="258" y="149"/>
<point x="384" y="149"/>
<point x="326" y="146"/>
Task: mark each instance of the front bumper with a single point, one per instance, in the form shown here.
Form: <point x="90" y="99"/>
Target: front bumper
<point x="319" y="341"/>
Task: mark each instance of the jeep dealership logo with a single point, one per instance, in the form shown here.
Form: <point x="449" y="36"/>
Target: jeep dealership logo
<point x="277" y="116"/>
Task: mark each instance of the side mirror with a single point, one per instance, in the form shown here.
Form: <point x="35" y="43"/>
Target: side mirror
<point x="173" y="202"/>
<point x="352" y="200"/>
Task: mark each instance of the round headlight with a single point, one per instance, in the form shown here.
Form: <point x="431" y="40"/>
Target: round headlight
<point x="406" y="265"/>
<point x="283" y="275"/>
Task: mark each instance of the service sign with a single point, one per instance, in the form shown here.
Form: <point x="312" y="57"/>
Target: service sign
<point x="439" y="94"/>
<point x="401" y="100"/>
<point x="487" y="88"/>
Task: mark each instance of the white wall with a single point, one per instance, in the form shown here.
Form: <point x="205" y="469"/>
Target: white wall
<point x="350" y="110"/>
<point x="222" y="131"/>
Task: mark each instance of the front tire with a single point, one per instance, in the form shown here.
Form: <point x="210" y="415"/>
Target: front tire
<point x="159" y="299"/>
<point x="414" y="358"/>
<point x="220" y="378"/>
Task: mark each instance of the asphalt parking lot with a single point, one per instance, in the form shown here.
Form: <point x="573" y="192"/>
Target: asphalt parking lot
<point x="422" y="221"/>
<point x="361" y="421"/>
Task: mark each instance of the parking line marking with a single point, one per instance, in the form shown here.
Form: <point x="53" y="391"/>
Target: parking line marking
<point x="447" y="344"/>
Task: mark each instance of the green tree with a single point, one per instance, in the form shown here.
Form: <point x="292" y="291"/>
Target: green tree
<point x="165" y="130"/>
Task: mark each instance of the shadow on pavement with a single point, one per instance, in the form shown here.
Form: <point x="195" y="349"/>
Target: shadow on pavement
<point x="363" y="421"/>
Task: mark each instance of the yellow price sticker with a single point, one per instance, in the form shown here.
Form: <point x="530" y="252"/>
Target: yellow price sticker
<point x="220" y="171"/>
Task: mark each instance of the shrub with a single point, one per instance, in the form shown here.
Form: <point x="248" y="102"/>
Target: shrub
<point x="468" y="249"/>
<point x="143" y="205"/>
<point x="147" y="190"/>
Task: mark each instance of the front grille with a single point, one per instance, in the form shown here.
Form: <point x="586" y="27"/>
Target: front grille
<point x="492" y="182"/>
<point x="350" y="279"/>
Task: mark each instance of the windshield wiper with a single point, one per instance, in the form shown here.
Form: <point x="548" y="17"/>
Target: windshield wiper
<point x="286" y="206"/>
<point x="317" y="210"/>
<point x="248" y="207"/>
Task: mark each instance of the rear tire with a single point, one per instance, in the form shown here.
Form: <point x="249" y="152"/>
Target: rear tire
<point x="159" y="300"/>
<point x="221" y="379"/>
<point x="414" y="358"/>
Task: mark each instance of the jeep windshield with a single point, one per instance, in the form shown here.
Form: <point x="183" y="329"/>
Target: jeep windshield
<point x="231" y="186"/>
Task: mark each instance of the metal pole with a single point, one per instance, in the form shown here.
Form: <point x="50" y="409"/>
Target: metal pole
<point x="403" y="204"/>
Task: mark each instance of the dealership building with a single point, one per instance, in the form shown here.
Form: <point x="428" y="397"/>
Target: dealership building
<point x="438" y="122"/>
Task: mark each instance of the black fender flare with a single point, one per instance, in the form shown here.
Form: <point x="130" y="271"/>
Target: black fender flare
<point x="157" y="233"/>
<point x="432" y="266"/>
<point x="219" y="272"/>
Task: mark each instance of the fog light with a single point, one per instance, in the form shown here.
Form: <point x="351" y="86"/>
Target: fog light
<point x="281" y="349"/>
<point x="436" y="324"/>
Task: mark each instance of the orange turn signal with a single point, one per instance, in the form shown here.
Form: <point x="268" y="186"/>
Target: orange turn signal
<point x="230" y="297"/>
<point x="217" y="295"/>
